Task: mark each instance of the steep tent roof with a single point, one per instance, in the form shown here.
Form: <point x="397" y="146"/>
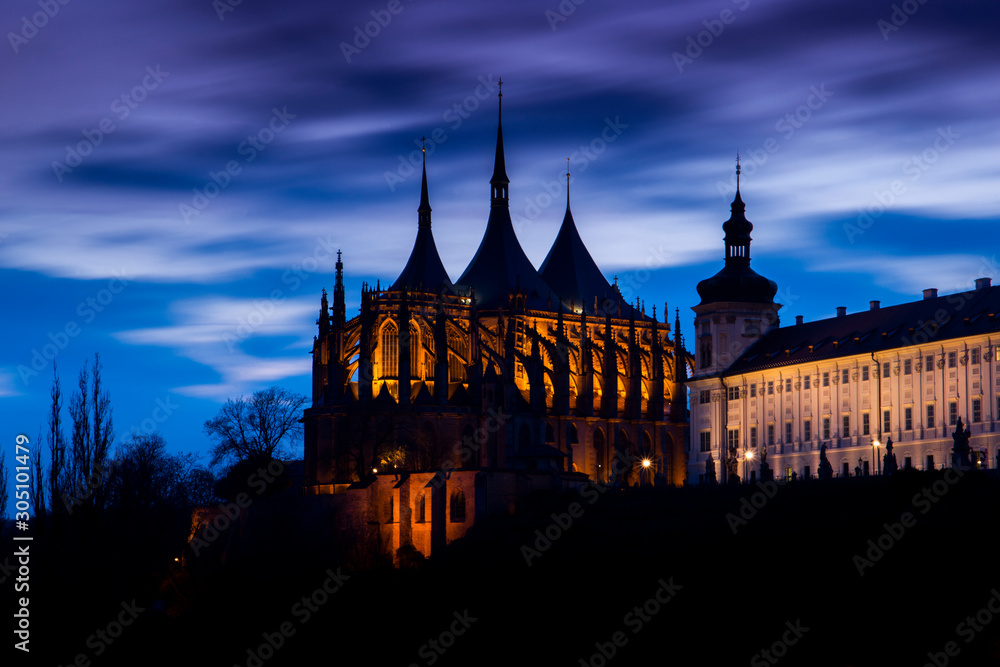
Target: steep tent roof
<point x="500" y="264"/>
<point x="572" y="273"/>
<point x="424" y="268"/>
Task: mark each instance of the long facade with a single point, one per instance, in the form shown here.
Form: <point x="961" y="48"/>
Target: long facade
<point x="909" y="374"/>
<point x="508" y="380"/>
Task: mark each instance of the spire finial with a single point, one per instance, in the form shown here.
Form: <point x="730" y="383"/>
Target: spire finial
<point x="737" y="171"/>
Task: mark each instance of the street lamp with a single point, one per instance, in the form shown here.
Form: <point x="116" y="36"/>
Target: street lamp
<point x="746" y="459"/>
<point x="875" y="445"/>
<point x="645" y="467"/>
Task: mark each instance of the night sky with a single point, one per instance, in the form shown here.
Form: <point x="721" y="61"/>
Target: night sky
<point x="176" y="177"/>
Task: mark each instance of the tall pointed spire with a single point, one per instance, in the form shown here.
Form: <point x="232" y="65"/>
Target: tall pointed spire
<point x="424" y="211"/>
<point x="499" y="183"/>
<point x="424" y="270"/>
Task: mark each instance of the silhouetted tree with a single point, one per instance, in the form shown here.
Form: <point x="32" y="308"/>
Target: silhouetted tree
<point x="825" y="468"/>
<point x="144" y="477"/>
<point x="93" y="433"/>
<point x="254" y="428"/>
<point x="57" y="449"/>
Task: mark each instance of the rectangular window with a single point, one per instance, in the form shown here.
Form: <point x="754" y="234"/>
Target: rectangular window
<point x="753" y="390"/>
<point x="952" y="359"/>
<point x="930" y="415"/>
<point x="845" y="470"/>
<point x="805" y="381"/>
<point x="704" y="397"/>
<point x="826" y="379"/>
<point x="907" y="366"/>
<point x="733" y="393"/>
<point x="733" y="438"/>
<point x="977" y="355"/>
<point x="770" y="434"/>
<point x="998" y="352"/>
<point x="753" y="437"/>
<point x="845" y="376"/>
<point x="908" y="419"/>
<point x="846" y="431"/>
<point x="886" y="421"/>
<point x="788" y="384"/>
<point x="907" y="463"/>
<point x="706" y="441"/>
<point x="864" y="373"/>
<point x="807" y="430"/>
<point x="770" y="387"/>
<point x="952" y="413"/>
<point x="885" y="369"/>
<point x="788" y="431"/>
<point x="826" y="428"/>
<point x="977" y="410"/>
<point x="930" y="462"/>
<point x="929" y="363"/>
<point x="866" y="423"/>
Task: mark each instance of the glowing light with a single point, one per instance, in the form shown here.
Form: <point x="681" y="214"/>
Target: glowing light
<point x="646" y="463"/>
<point x="375" y="470"/>
<point x="750" y="455"/>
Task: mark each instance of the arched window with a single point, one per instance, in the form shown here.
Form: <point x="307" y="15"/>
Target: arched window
<point x="456" y="363"/>
<point x="421" y="507"/>
<point x="416" y="372"/>
<point x="390" y="350"/>
<point x="550" y="435"/>
<point x="457" y="506"/>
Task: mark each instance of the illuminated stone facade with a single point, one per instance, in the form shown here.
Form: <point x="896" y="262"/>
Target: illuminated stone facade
<point x="907" y="372"/>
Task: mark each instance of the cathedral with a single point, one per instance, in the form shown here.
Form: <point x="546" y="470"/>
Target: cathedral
<point x="442" y="402"/>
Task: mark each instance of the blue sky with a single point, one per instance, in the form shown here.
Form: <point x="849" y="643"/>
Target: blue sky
<point x="176" y="176"/>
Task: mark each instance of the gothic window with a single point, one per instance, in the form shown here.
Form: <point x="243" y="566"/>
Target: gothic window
<point x="456" y="367"/>
<point x="415" y="371"/>
<point x="390" y="350"/>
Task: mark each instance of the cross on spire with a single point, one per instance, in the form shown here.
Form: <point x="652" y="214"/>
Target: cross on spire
<point x="737" y="171"/>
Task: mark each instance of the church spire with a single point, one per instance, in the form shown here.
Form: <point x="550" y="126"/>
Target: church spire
<point x="499" y="183"/>
<point x="424" y="211"/>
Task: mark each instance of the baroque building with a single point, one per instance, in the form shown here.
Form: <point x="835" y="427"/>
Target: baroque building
<point x="441" y="402"/>
<point x="909" y="375"/>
